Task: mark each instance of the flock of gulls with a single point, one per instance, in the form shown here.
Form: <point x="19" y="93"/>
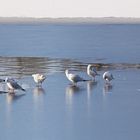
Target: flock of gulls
<point x="74" y="78"/>
<point x="91" y="71"/>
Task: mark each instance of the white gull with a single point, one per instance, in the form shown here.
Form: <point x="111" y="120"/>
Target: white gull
<point x="108" y="76"/>
<point x="39" y="78"/>
<point x="74" y="78"/>
<point x="91" y="71"/>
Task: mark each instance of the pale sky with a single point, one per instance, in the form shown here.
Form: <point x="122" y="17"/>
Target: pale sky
<point x="69" y="8"/>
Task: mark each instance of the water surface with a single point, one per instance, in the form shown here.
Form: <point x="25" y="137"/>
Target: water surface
<point x="108" y="42"/>
<point x="58" y="110"/>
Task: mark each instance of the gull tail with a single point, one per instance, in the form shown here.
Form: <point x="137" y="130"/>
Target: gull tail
<point x="84" y="80"/>
<point x="23" y="89"/>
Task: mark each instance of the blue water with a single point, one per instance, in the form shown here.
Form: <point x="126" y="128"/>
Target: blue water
<point x="113" y="43"/>
<point x="57" y="110"/>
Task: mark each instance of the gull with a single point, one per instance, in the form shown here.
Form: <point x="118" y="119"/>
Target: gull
<point x="91" y="71"/>
<point x="13" y="85"/>
<point x="73" y="77"/>
<point x="39" y="78"/>
<point x="108" y="76"/>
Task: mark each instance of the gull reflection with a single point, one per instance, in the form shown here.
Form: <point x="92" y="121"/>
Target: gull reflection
<point x="38" y="93"/>
<point x="90" y="85"/>
<point x="107" y="88"/>
<point x="38" y="90"/>
<point x="13" y="97"/>
<point x="10" y="98"/>
<point x="70" y="91"/>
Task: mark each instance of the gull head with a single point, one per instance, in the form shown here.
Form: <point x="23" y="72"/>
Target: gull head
<point x="89" y="66"/>
<point x="66" y="71"/>
<point x="32" y="75"/>
<point x="6" y="79"/>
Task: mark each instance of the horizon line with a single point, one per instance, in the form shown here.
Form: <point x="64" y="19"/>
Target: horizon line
<point x="81" y="20"/>
<point x="67" y="17"/>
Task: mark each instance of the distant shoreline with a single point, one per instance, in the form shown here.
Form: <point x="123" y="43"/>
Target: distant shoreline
<point x="79" y="20"/>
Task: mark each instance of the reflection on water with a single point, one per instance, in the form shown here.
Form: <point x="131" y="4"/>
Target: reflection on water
<point x="90" y="90"/>
<point x="38" y="96"/>
<point x="57" y="106"/>
<point x="58" y="112"/>
<point x="11" y="97"/>
<point x="38" y="90"/>
<point x="90" y="85"/>
<point x="107" y="88"/>
<point x="70" y="91"/>
<point x="23" y="66"/>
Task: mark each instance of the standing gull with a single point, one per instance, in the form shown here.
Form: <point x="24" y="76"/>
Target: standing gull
<point x="108" y="76"/>
<point x="13" y="85"/>
<point x="91" y="71"/>
<point x="39" y="78"/>
<point x="73" y="77"/>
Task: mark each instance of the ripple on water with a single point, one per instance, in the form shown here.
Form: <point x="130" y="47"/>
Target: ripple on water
<point x="24" y="66"/>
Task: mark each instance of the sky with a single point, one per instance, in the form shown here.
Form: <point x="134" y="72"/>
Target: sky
<point x="69" y="8"/>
